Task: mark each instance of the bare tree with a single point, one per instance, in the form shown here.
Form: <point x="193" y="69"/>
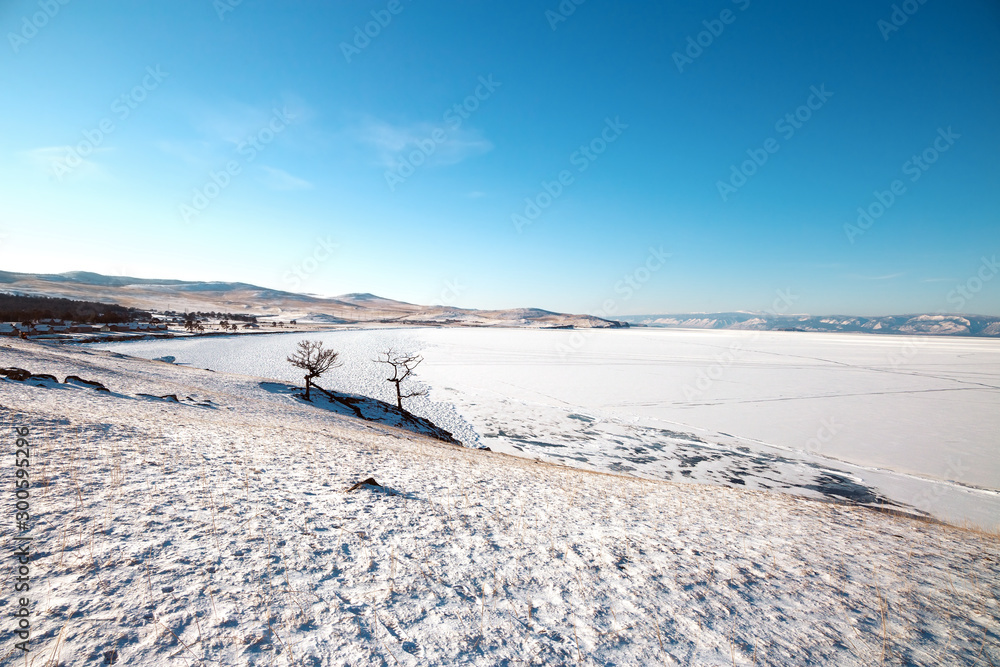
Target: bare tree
<point x="402" y="368"/>
<point x="312" y="358"/>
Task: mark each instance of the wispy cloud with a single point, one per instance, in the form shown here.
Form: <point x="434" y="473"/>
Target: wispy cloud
<point x="475" y="194"/>
<point x="888" y="276"/>
<point x="233" y="122"/>
<point x="278" y="179"/>
<point x="937" y="280"/>
<point x="65" y="162"/>
<point x="194" y="153"/>
<point x="391" y="143"/>
<point x="221" y="126"/>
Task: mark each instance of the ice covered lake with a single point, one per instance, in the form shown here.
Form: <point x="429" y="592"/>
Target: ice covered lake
<point x="909" y="421"/>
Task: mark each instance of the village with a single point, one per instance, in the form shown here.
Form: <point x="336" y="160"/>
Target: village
<point x="167" y="325"/>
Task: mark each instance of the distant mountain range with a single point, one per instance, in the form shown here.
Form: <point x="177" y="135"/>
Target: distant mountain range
<point x="224" y="297"/>
<point x="946" y="325"/>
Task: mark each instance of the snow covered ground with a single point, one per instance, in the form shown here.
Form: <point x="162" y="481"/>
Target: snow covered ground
<point x="216" y="529"/>
<point x="907" y="420"/>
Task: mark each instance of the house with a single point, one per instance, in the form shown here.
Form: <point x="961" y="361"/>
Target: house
<point x="9" y="329"/>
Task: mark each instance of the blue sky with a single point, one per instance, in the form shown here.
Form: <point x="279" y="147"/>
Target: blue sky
<point x="500" y="154"/>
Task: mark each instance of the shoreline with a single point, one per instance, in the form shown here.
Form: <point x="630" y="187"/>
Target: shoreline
<point x="675" y="448"/>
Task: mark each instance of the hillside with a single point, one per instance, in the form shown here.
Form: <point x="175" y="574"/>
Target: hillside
<point x="220" y="527"/>
<point x="191" y="296"/>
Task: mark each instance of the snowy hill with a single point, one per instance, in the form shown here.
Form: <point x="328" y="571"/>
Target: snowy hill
<point x="186" y="296"/>
<point x="219" y="528"/>
<point x="961" y="325"/>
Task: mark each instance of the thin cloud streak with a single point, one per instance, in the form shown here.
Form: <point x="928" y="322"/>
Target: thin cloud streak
<point x="279" y="179"/>
<point x="889" y="276"/>
<point x="391" y="143"/>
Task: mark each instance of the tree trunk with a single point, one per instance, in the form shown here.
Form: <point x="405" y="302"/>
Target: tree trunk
<point x="399" y="396"/>
<point x="308" y="383"/>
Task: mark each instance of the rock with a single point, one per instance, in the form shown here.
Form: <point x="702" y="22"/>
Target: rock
<point x="167" y="397"/>
<point x="93" y="384"/>
<point x="368" y="482"/>
<point x="44" y="377"/>
<point x="18" y="374"/>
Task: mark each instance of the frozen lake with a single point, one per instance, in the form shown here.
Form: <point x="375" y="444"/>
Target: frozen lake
<point x="912" y="420"/>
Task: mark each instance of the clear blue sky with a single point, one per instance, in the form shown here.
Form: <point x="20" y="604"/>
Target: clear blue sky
<point x="115" y="114"/>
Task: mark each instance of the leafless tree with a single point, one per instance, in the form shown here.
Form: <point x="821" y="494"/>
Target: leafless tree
<point x="312" y="358"/>
<point x="402" y="368"/>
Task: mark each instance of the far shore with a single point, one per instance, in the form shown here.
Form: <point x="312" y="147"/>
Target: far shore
<point x="317" y="327"/>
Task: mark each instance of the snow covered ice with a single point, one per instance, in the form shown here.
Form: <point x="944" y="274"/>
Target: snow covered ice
<point x="217" y="529"/>
<point x="907" y="420"/>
